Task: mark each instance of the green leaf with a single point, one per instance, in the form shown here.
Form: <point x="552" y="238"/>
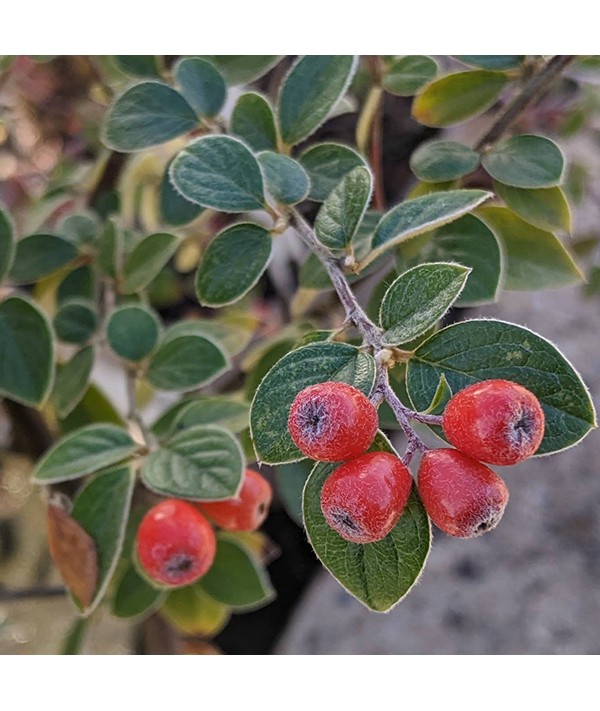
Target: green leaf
<point x="253" y="121"/>
<point x="84" y="451"/>
<point x="174" y="208"/>
<point x="201" y="84"/>
<point x="472" y="351"/>
<point x="235" y="578"/>
<point x="75" y="321"/>
<point x="134" y="597"/>
<point x="327" y="164"/>
<point x="315" y="363"/>
<point x="418" y="299"/>
<point x="310" y="90"/>
<point x="26" y="352"/>
<point x="102" y="510"/>
<point x="525" y="162"/>
<point x="39" y="255"/>
<point x="80" y="229"/>
<point x="109" y="250"/>
<point x="146" y="261"/>
<point x="202" y="463"/>
<point x="342" y="212"/>
<point x="78" y="284"/>
<point x="72" y="380"/>
<point x="413" y="217"/>
<point x="143" y="65"/>
<point x="7" y="243"/>
<point x="212" y="410"/>
<point x="440" y="399"/>
<point x="457" y="97"/>
<point x="132" y="332"/>
<point x="73" y="642"/>
<point x="438" y="161"/>
<point x="546" y="208"/>
<point x="467" y="241"/>
<point x="194" y="612"/>
<point x="291" y="479"/>
<point x="185" y="362"/>
<point x="407" y="75"/>
<point x="219" y="172"/>
<point x="378" y="574"/>
<point x="232" y="264"/>
<point x="491" y="61"/>
<point x="286" y="179"/>
<point x="145" y="115"/>
<point x="535" y="259"/>
<point x="243" y="68"/>
<point x="93" y="407"/>
<point x="231" y="335"/>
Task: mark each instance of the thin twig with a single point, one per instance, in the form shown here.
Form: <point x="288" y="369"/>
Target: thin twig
<point x="38" y="591"/>
<point x="532" y="90"/>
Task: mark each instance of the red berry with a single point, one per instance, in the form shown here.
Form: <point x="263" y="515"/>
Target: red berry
<point x="332" y="422"/>
<point x="495" y="421"/>
<point x="462" y="496"/>
<point x="247" y="510"/>
<point x="362" y="500"/>
<point x="175" y="543"/>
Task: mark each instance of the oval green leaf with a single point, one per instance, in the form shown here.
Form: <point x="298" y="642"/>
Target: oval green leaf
<point x="327" y="164"/>
<point x="201" y="84"/>
<point x="174" y="208"/>
<point x="72" y="380"/>
<point x="340" y="215"/>
<point x="212" y="410"/>
<point x="76" y="321"/>
<point x="202" y="463"/>
<point x="535" y="259"/>
<point x="477" y="350"/>
<point x="407" y="75"/>
<point x="132" y="332"/>
<point x="39" y="255"/>
<point x="315" y="363"/>
<point x="78" y="284"/>
<point x="417" y="300"/>
<point x="146" y="260"/>
<point x="80" y="229"/>
<point x="457" y="97"/>
<point x="84" y="451"/>
<point x="438" y="161"/>
<point x="102" y="509"/>
<point x="145" y="115"/>
<point x="194" y="612"/>
<point x="525" y="162"/>
<point x="232" y="264"/>
<point x="26" y="352"/>
<point x="379" y="575"/>
<point x="7" y="243"/>
<point x="286" y="179"/>
<point x="310" y="90"/>
<point x="546" y="208"/>
<point x="185" y="362"/>
<point x="253" y="121"/>
<point x="492" y="61"/>
<point x="134" y="597"/>
<point x="94" y="407"/>
<point x="138" y="65"/>
<point x="291" y="479"/>
<point x="219" y="172"/>
<point x="243" y="68"/>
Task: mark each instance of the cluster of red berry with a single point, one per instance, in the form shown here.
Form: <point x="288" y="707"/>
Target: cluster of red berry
<point x="495" y="421"/>
<point x="176" y="543"/>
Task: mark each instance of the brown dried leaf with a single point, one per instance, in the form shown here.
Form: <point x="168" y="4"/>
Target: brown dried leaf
<point x="74" y="554"/>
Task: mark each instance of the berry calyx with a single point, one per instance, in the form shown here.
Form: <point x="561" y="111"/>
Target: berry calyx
<point x="247" y="510"/>
<point x="363" y="499"/>
<point x="175" y="543"/>
<point x="495" y="421"/>
<point x="332" y="422"/>
<point x="461" y="496"/>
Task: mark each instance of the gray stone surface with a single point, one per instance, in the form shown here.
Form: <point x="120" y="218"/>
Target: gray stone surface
<point x="532" y="586"/>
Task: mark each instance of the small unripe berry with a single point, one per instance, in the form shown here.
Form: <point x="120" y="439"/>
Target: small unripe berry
<point x="495" y="421"/>
<point x="462" y="496"/>
<point x="247" y="510"/>
<point x="332" y="422"/>
<point x="175" y="543"/>
<point x="363" y="499"/>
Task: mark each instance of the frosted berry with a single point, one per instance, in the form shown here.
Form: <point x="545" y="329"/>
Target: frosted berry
<point x="495" y="421"/>
<point x="175" y="543"/>
<point x="247" y="510"/>
<point x="462" y="496"/>
<point x="363" y="499"/>
<point x="332" y="422"/>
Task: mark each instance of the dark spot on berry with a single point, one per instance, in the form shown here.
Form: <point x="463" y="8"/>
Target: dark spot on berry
<point x="262" y="508"/>
<point x="483" y="526"/>
<point x="523" y="427"/>
<point x="313" y="417"/>
<point x="180" y="563"/>
<point x="344" y="521"/>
